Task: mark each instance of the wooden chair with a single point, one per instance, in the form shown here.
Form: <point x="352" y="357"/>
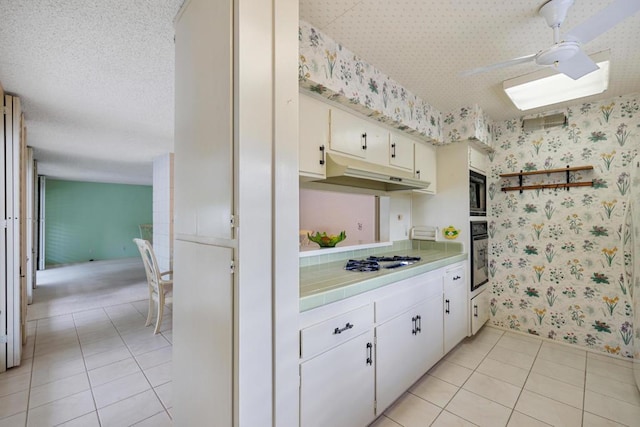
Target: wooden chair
<point x="160" y="283"/>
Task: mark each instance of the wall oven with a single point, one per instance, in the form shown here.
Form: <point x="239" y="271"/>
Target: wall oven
<point x="477" y="194"/>
<point x="479" y="254"/>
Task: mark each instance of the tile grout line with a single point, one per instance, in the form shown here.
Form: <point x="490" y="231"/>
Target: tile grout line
<point x="462" y="385"/>
<point x="142" y="370"/>
<point x="524" y="384"/>
<point x="473" y="372"/>
<point x="95" y="405"/>
<point x="33" y="356"/>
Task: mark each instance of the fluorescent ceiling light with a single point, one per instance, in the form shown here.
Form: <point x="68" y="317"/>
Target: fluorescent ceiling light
<point x="547" y="87"/>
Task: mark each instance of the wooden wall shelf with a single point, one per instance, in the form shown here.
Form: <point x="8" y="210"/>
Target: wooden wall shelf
<point x="566" y="185"/>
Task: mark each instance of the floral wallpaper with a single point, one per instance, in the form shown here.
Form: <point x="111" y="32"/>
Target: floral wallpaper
<point x="328" y="68"/>
<point x="557" y="258"/>
<point x="468" y="123"/>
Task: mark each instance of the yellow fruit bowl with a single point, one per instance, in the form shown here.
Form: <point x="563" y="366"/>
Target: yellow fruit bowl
<point x="327" y="241"/>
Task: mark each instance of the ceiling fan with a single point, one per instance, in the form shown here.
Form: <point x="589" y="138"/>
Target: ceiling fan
<point x="566" y="53"/>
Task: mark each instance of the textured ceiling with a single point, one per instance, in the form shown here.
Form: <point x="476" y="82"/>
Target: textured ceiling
<point x="96" y="77"/>
<point x="425" y="44"/>
<point x="96" y="83"/>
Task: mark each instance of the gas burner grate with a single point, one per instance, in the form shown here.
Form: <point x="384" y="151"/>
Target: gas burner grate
<point x="393" y="258"/>
<point x="362" y="265"/>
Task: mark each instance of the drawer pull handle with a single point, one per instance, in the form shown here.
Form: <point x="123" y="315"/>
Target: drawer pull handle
<point x="322" y="154"/>
<point x="475" y="310"/>
<point x="364" y="141"/>
<point x="393" y="153"/>
<point x="446" y="310"/>
<point x="417" y="324"/>
<point x="457" y="278"/>
<point x="348" y="326"/>
<point x="369" y="353"/>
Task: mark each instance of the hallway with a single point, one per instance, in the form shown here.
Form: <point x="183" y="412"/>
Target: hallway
<point x="89" y="360"/>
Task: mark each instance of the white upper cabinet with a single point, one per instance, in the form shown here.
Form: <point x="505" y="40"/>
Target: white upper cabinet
<point x="401" y="151"/>
<point x="313" y="136"/>
<point x="358" y="137"/>
<point x="425" y="168"/>
<point x="477" y="160"/>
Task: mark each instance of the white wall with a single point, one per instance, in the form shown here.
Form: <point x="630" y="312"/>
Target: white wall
<point x="163" y="210"/>
<point x="399" y="216"/>
<point x="333" y="212"/>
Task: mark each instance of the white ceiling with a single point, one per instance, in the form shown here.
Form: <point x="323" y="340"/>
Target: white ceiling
<point x="96" y="82"/>
<point x="96" y="77"/>
<point x="425" y="44"/>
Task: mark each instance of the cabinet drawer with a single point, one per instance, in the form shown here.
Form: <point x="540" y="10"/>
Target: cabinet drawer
<point x="329" y="333"/>
<point x="399" y="302"/>
<point x="455" y="275"/>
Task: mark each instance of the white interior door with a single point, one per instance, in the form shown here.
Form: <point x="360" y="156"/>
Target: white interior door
<point x="14" y="250"/>
<point x="30" y="253"/>
<point x="3" y="242"/>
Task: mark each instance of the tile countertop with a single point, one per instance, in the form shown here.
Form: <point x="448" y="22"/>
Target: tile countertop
<point x="324" y="283"/>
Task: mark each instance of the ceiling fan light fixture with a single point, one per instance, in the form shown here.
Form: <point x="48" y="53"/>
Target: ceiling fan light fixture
<point x="558" y="53"/>
<point x="547" y="87"/>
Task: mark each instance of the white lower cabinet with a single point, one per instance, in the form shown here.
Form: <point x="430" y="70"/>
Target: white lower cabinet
<point x="456" y="320"/>
<point x="407" y="346"/>
<point x="479" y="311"/>
<point x="337" y="386"/>
<point x="347" y="378"/>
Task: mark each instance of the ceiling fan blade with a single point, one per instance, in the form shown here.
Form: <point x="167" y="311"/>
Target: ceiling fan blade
<point x="604" y="20"/>
<point x="520" y="60"/>
<point x="577" y="66"/>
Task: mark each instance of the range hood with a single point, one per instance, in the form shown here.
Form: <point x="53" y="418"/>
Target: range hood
<point x="359" y="173"/>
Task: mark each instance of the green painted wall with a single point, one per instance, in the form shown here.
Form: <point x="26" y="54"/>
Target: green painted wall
<point x="88" y="220"/>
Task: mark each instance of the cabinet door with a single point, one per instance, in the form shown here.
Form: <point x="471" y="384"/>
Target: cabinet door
<point x="477" y="160"/>
<point x="479" y="311"/>
<point x="348" y="133"/>
<point x="204" y="126"/>
<point x="425" y="165"/>
<point x="313" y="136"/>
<point x="358" y="137"/>
<point x="401" y="152"/>
<point x="337" y="387"/>
<point x="406" y="347"/>
<point x="455" y="308"/>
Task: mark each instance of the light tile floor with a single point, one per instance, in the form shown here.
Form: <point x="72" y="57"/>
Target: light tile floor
<point x="90" y="364"/>
<point x="502" y="378"/>
<point x="89" y="361"/>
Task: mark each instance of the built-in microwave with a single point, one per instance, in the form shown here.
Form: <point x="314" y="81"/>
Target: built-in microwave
<point x="477" y="194"/>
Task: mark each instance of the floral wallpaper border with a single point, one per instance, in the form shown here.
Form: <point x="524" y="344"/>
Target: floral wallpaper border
<point x="331" y="70"/>
<point x="469" y="123"/>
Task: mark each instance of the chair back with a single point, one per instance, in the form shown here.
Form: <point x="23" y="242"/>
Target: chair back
<point x="150" y="263"/>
